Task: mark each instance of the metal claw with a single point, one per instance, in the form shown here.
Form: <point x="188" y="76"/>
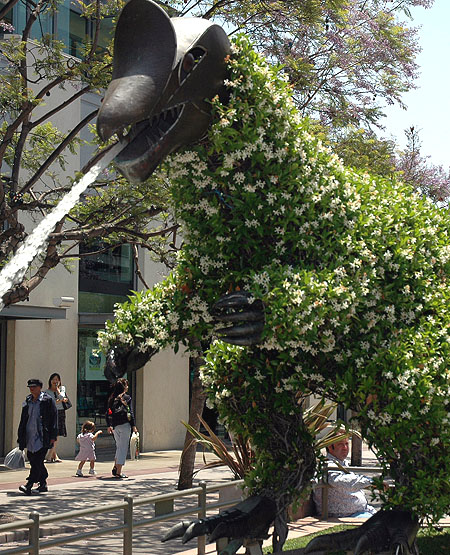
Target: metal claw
<point x="120" y="360"/>
<point x="197" y="528"/>
<point x="248" y="316"/>
<point x="242" y="330"/>
<point x="384" y="530"/>
<point x="250" y="518"/>
<point x="177" y="531"/>
<point x="232" y="300"/>
<point x="242" y="341"/>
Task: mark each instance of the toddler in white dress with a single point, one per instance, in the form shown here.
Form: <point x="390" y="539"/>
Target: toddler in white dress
<point x="86" y="440"/>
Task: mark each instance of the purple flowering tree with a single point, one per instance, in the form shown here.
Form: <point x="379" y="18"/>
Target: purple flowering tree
<point x="416" y="169"/>
<point x="345" y="59"/>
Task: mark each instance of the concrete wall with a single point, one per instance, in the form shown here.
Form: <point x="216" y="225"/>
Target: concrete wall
<point x="162" y="392"/>
<point x="37" y="348"/>
<point x="162" y="386"/>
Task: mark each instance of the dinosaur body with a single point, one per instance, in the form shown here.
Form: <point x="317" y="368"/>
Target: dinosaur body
<point x="352" y="271"/>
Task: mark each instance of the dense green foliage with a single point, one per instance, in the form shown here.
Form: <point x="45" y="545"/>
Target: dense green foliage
<point x="353" y="273"/>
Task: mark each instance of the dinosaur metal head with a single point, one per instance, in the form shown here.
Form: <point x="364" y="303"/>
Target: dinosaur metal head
<point x="164" y="71"/>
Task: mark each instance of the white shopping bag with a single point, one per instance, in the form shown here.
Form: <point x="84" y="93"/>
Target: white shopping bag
<point x="134" y="446"/>
<point x="15" y="459"/>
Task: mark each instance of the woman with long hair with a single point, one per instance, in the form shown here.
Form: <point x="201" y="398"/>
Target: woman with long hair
<point x="120" y="420"/>
<point x="58" y="392"/>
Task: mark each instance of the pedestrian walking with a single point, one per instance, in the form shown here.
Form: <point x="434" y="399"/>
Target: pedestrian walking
<point x="120" y="420"/>
<point x="58" y="392"/>
<point x="86" y="440"/>
<point x="37" y="433"/>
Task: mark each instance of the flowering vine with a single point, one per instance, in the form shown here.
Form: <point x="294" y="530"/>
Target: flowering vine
<point x="353" y="272"/>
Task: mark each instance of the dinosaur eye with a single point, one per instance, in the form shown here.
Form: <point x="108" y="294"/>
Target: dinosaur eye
<point x="189" y="61"/>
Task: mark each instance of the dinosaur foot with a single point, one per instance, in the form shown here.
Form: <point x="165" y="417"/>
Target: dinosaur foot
<point x="249" y="519"/>
<point x="245" y="315"/>
<point x="391" y="532"/>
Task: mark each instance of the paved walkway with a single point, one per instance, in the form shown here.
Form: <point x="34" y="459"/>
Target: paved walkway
<point x="152" y="474"/>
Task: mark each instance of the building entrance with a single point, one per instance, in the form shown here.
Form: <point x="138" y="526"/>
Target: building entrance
<point x="93" y="387"/>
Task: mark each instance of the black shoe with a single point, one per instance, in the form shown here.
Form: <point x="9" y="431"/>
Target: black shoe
<point x="114" y="471"/>
<point x="121" y="476"/>
<point x="42" y="488"/>
<point x="26" y="489"/>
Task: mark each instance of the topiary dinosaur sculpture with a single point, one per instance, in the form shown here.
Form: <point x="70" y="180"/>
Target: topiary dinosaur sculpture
<point x="327" y="279"/>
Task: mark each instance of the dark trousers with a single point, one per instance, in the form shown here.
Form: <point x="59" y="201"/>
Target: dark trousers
<point x="38" y="472"/>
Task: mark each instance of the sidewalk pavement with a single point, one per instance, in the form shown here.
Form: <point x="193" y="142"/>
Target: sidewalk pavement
<point x="154" y="473"/>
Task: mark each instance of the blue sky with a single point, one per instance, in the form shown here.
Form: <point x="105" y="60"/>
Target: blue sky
<point x="429" y="104"/>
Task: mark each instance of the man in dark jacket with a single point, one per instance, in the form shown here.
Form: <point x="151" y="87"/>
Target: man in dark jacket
<point x="38" y="430"/>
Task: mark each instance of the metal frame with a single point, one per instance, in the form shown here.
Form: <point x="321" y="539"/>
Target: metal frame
<point x="35" y="520"/>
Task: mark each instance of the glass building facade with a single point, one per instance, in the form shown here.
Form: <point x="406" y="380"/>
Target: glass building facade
<point x="65" y="24"/>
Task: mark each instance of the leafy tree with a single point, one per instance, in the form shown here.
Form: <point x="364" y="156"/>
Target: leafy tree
<point x="34" y="152"/>
<point x="364" y="150"/>
<point x="345" y="58"/>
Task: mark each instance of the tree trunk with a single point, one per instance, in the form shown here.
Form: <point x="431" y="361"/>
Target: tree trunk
<point x="198" y="397"/>
<point x="356" y="448"/>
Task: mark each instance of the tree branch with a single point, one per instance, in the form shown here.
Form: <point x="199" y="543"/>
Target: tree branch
<point x="61" y="106"/>
<point x="138" y="269"/>
<point x="7" y="8"/>
<point x="54" y="155"/>
<point x="83" y="234"/>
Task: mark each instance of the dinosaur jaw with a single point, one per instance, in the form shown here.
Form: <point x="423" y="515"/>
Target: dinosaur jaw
<point x="148" y="143"/>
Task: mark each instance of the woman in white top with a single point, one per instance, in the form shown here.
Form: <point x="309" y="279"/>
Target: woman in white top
<point x="58" y="392"/>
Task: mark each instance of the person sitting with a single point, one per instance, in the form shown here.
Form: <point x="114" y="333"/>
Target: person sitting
<point x="345" y="495"/>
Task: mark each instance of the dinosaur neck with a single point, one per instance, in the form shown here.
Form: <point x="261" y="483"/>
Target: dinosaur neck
<point x="260" y="189"/>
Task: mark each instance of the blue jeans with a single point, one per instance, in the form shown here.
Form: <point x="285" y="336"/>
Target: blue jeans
<point x="362" y="514"/>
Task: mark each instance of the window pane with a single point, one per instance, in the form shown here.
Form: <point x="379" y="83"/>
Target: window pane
<point x="115" y="265"/>
<point x="93" y="388"/>
<point x="106" y="33"/>
<point x="77" y="34"/>
<point x="98" y="302"/>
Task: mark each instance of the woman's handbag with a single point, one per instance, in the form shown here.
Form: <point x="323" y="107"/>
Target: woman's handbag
<point x="67" y="404"/>
<point x="15" y="459"/>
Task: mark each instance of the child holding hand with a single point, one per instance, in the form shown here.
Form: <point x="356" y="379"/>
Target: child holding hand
<point x="86" y="440"/>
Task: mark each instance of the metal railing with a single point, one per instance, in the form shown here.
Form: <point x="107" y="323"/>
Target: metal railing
<point x="163" y="511"/>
